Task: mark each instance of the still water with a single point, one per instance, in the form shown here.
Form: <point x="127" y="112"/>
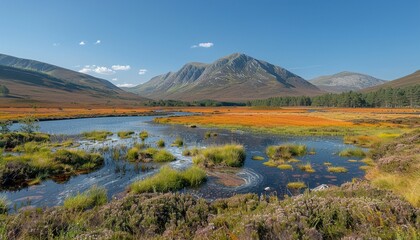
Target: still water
<point x="116" y="176"/>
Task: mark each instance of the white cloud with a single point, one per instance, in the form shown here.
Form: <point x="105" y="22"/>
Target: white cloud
<point x="142" y="71"/>
<point x="82" y="43"/>
<point x="203" y="45"/>
<point x="97" y="69"/>
<point x="126" y="85"/>
<point x="121" y="67"/>
<point x="114" y="79"/>
<point x="97" y="42"/>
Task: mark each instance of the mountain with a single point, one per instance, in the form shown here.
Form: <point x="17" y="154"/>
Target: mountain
<point x="345" y="81"/>
<point x="406" y="81"/>
<point x="34" y="82"/>
<point x="237" y="77"/>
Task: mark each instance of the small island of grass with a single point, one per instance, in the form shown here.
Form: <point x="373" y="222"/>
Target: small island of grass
<point x="231" y="155"/>
<point x="97" y="135"/>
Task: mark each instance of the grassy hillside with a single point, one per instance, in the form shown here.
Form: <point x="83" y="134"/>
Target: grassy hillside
<point x="409" y="80"/>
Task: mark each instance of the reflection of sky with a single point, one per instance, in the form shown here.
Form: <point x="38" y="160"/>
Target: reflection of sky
<point x="257" y="175"/>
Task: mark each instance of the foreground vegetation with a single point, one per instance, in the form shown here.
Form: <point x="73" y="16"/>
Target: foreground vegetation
<point x="354" y="210"/>
<point x="230" y="155"/>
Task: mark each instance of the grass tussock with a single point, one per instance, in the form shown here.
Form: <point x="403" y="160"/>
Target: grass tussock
<point x="285" y="166"/>
<point x="362" y="140"/>
<point x="3" y="205"/>
<point x="258" y="158"/>
<point x="286" y="151"/>
<point x="95" y="196"/>
<point x="191" y="152"/>
<point x="296" y="185"/>
<point x="306" y="168"/>
<point x="125" y="134"/>
<point x="178" y="142"/>
<point x="149" y="154"/>
<point x="352" y="152"/>
<point x="143" y="135"/>
<point x="337" y="169"/>
<point x="160" y="143"/>
<point x="231" y="155"/>
<point x="97" y="135"/>
<point x="168" y="179"/>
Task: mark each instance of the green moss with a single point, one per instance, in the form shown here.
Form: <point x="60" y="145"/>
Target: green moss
<point x="352" y="152"/>
<point x="296" y="185"/>
<point x="337" y="169"/>
<point x="125" y="134"/>
<point x="95" y="196"/>
<point x="97" y="135"/>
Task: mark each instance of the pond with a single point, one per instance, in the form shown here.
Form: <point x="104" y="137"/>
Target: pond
<point x="116" y="176"/>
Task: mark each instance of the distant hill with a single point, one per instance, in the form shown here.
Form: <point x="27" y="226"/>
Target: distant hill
<point x="406" y="81"/>
<point x="346" y="81"/>
<point x="34" y="82"/>
<point x="237" y="77"/>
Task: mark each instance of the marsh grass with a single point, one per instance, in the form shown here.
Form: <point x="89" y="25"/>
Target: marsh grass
<point x="362" y="140"/>
<point x="3" y="205"/>
<point x="163" y="156"/>
<point x="312" y="151"/>
<point x="271" y="163"/>
<point x="148" y="154"/>
<point x="352" y="160"/>
<point x="125" y="134"/>
<point x="368" y="161"/>
<point x="210" y="134"/>
<point x="178" y="142"/>
<point x="95" y="196"/>
<point x="352" y="152"/>
<point x="97" y="135"/>
<point x="231" y="155"/>
<point x="160" y="143"/>
<point x="296" y="185"/>
<point x="306" y="167"/>
<point x="337" y="169"/>
<point x="286" y="151"/>
<point x="168" y="179"/>
<point x="258" y="158"/>
<point x="191" y="151"/>
<point x="365" y="168"/>
<point x="143" y="135"/>
<point x="285" y="166"/>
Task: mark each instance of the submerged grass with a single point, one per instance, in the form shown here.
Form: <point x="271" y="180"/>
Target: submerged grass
<point x="95" y="196"/>
<point x="168" y="179"/>
<point x="337" y="169"/>
<point x="352" y="152"/>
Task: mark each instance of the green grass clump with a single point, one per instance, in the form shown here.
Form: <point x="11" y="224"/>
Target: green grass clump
<point x="97" y="135"/>
<point x="231" y="155"/>
<point x="365" y="167"/>
<point x="143" y="135"/>
<point x="133" y="154"/>
<point x="368" y="161"/>
<point x="125" y="134"/>
<point x="3" y="205"/>
<point x="337" y="169"/>
<point x="191" y="152"/>
<point x="352" y="152"/>
<point x="11" y="140"/>
<point x="163" y="156"/>
<point x="352" y="160"/>
<point x="285" y="166"/>
<point x="327" y="164"/>
<point x="168" y="179"/>
<point x="210" y="134"/>
<point x="95" y="196"/>
<point x="362" y="140"/>
<point x="296" y="185"/>
<point x="258" y="158"/>
<point x="271" y="163"/>
<point x="312" y="151"/>
<point x="160" y="143"/>
<point x="306" y="168"/>
<point x="286" y="151"/>
<point x="178" y="142"/>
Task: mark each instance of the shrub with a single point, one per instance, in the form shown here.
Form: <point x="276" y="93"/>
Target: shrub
<point x="160" y="143"/>
<point x="125" y="134"/>
<point x="337" y="169"/>
<point x="143" y="135"/>
<point x="97" y="135"/>
<point x="95" y="196"/>
<point x="178" y="142"/>
<point x="29" y="125"/>
<point x="296" y="185"/>
<point x="352" y="152"/>
<point x="229" y="155"/>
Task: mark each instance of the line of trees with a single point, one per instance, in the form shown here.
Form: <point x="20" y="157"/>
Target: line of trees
<point x="384" y="97"/>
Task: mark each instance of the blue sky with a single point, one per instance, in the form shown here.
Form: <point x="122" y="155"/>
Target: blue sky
<point x="142" y="39"/>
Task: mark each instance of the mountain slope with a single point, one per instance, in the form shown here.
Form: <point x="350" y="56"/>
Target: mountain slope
<point x="406" y="81"/>
<point x="34" y="82"/>
<point x="345" y="81"/>
<point x="237" y="77"/>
